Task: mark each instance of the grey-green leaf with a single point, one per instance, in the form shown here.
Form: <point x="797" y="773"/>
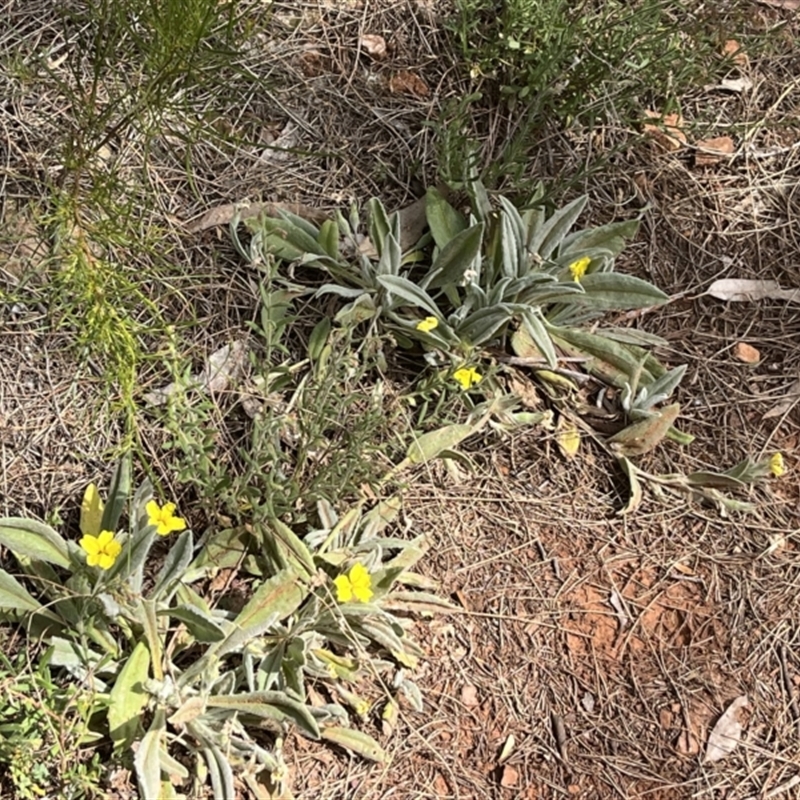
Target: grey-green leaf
<point x="356" y="741"/>
<point x="147" y="760"/>
<point x="549" y="236"/>
<point x="541" y="338"/>
<point x="14" y="596"/>
<point x="455" y="258"/>
<point x="612" y="291"/>
<point x="128" y="697"/>
<point x="276" y="706"/>
<point x="27" y="537"/>
<point x="202" y="626"/>
<point x="175" y="564"/>
<point x="444" y="221"/>
<point x="409" y="292"/>
<point x="118" y="494"/>
<point x="611" y="237"/>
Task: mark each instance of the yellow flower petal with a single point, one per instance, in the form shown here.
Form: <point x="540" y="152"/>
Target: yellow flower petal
<point x="102" y="550"/>
<point x="467" y="377"/>
<point x="344" y="591"/>
<point x="361" y="583"/>
<point x="164" y="519"/>
<point x="427" y="324"/>
<point x="776" y="465"/>
<point x="578" y="268"/>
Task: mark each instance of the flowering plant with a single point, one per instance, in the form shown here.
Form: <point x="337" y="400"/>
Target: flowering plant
<point x="170" y="671"/>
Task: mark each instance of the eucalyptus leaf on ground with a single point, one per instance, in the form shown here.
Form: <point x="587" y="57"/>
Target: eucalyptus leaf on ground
<point x="726" y="734"/>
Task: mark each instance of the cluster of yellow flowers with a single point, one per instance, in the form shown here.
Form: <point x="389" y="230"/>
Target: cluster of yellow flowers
<point x="102" y="550"/>
<point x="466" y="377"/>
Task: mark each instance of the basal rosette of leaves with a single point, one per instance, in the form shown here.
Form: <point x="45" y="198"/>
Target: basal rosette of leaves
<point x="321" y="641"/>
<point x="521" y="283"/>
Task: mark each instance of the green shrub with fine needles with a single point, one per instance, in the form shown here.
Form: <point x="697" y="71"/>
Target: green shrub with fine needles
<point x="558" y="63"/>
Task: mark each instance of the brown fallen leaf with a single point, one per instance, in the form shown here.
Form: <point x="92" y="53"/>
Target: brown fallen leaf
<point x="405" y="82"/>
<point x="734" y="51"/>
<point x="510" y="777"/>
<point x="373" y="45"/>
<point x="643" y="436"/>
<point x="568" y="438"/>
<point x="712" y="151"/>
<point x="667" y="132"/>
<point x="469" y="695"/>
<point x="746" y="353"/>
<point x="727" y="732"/>
<point x="222" y="215"/>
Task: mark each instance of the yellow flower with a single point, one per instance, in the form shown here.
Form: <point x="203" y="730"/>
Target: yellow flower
<point x="578" y="268"/>
<point x="467" y="377"/>
<point x="102" y="550"/>
<point x="163" y="518"/>
<point x="358" y="585"/>
<point x="776" y="465"/>
<point x="427" y="324"/>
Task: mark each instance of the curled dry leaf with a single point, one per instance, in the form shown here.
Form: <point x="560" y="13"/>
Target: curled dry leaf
<point x="567" y="437"/>
<point x="712" y="151"/>
<point x="666" y="130"/>
<point x="727" y="732"/>
<point x="222" y="367"/>
<point x="373" y="45"/>
<point x="405" y="82"/>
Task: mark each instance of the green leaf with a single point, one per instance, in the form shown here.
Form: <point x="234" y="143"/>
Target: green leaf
<point x="128" y="697"/>
<point x="431" y="444"/>
<point x="455" y="258"/>
<point x="319" y="337"/>
<point x="175" y="564"/>
<point x="202" y="626"/>
<point x="613" y="361"/>
<point x="550" y="235"/>
<point x="329" y="238"/>
<point x="220" y="771"/>
<point x="611" y="237"/>
<point x="540" y="335"/>
<point x="444" y="221"/>
<point x="357" y="742"/>
<point x="417" y="603"/>
<point x="289" y="544"/>
<point x="14" y="597"/>
<point x="288" y="241"/>
<point x="410" y="292"/>
<point x="276" y="706"/>
<point x="27" y="537"/>
<point x="479" y="199"/>
<point x="633" y="336"/>
<point x="612" y="291"/>
<point x="481" y="326"/>
<point x="379" y="226"/>
<point x="713" y="479"/>
<point x="91" y="511"/>
<point x="147" y="761"/>
<point x="118" y="494"/>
